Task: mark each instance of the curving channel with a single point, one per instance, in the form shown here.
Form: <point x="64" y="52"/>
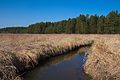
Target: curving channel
<point x="65" y="67"/>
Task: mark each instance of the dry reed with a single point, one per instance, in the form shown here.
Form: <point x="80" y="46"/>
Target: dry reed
<point x="19" y="53"/>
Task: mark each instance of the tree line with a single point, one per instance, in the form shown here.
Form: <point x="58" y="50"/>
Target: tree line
<point x="84" y="24"/>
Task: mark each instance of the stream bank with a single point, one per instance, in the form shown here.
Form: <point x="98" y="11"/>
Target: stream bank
<point x="21" y="53"/>
<point x="68" y="66"/>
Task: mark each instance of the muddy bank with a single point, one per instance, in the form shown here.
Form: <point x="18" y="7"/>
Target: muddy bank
<point x="103" y="61"/>
<point x="19" y="53"/>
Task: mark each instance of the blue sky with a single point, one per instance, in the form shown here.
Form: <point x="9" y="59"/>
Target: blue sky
<point x="25" y="12"/>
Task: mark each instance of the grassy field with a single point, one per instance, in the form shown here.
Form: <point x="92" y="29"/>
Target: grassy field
<point x="19" y="53"/>
<point x="103" y="61"/>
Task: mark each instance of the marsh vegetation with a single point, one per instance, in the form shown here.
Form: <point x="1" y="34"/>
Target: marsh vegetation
<point x="68" y="66"/>
<point x="22" y="53"/>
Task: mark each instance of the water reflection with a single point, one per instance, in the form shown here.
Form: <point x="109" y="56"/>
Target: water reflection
<point x="64" y="67"/>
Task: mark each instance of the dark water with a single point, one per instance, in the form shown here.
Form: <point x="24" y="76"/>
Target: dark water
<point x="66" y="67"/>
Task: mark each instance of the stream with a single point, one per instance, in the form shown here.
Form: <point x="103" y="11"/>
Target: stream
<point x="64" y="67"/>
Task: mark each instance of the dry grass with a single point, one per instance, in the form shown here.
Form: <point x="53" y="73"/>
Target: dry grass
<point x="19" y="53"/>
<point x="104" y="60"/>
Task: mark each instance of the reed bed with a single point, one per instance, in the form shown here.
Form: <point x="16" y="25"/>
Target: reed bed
<point x="20" y="53"/>
<point x="103" y="61"/>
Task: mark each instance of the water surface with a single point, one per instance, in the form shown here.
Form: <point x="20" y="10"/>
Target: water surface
<point x="65" y="67"/>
